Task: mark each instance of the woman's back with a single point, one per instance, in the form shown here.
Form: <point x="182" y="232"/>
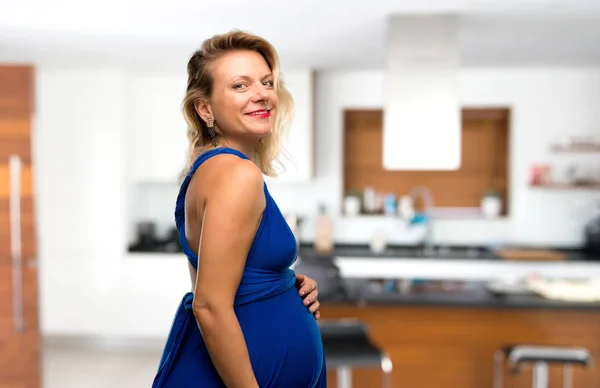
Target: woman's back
<point x="215" y="172"/>
<point x="271" y="248"/>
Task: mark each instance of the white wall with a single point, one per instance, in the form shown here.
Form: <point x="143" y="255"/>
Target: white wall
<point x="89" y="286"/>
<point x="78" y="148"/>
<point x="82" y="151"/>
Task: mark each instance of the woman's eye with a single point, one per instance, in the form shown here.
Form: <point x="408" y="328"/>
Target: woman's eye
<point x="268" y="83"/>
<point x="238" y="86"/>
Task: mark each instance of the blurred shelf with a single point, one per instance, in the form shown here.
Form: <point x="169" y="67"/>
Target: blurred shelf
<point x="567" y="186"/>
<point x="583" y="148"/>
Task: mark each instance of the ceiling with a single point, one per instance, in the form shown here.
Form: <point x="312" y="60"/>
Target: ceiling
<point x="325" y="34"/>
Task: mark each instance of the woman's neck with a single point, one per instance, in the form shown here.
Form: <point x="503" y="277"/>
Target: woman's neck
<point x="247" y="147"/>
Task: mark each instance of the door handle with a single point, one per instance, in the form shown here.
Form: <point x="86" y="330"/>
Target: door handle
<point x="15" y="167"/>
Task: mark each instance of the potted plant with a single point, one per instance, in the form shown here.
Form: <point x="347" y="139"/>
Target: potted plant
<point x="491" y="204"/>
<point x="352" y="203"/>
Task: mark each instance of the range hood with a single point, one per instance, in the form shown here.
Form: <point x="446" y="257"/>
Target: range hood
<point x="422" y="119"/>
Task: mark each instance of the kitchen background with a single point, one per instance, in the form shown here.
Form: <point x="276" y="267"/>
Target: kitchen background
<point x="100" y="199"/>
<point x="108" y="141"/>
<point x="547" y="104"/>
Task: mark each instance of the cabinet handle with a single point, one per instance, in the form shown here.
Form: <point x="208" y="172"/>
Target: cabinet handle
<point x="15" y="167"/>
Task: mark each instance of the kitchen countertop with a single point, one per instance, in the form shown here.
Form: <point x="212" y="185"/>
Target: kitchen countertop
<point x="446" y="252"/>
<point x="474" y="296"/>
<point x="474" y="263"/>
<point x="348" y="251"/>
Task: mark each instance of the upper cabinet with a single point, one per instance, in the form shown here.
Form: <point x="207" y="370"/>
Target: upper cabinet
<point x="297" y="145"/>
<point x="160" y="143"/>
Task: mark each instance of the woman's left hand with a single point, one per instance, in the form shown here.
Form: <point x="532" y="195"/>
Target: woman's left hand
<point x="307" y="288"/>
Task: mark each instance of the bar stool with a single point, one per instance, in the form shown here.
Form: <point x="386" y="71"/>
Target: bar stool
<point x="347" y="345"/>
<point x="540" y="357"/>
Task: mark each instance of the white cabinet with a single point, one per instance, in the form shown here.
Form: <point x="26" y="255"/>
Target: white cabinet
<point x="297" y="154"/>
<point x="160" y="142"/>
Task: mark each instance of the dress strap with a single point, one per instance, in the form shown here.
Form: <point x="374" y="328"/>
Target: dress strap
<point x="180" y="203"/>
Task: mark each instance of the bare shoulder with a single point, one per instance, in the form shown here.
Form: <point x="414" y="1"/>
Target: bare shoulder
<point x="230" y="178"/>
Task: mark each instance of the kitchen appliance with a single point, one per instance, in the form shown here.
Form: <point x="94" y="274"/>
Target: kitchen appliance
<point x="592" y="237"/>
<point x="146" y="237"/>
<point x="326" y="274"/>
<point x="171" y="241"/>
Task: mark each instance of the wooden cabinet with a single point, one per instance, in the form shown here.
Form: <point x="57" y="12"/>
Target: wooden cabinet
<point x="19" y="326"/>
<point x="159" y="130"/>
<point x="453" y="346"/>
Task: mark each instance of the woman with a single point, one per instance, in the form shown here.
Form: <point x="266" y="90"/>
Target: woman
<point x="253" y="328"/>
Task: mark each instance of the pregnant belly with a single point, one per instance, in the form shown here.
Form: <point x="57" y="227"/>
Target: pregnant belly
<point x="283" y="340"/>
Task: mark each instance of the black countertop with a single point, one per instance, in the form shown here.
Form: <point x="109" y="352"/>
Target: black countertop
<point x="475" y="296"/>
<point x="446" y="252"/>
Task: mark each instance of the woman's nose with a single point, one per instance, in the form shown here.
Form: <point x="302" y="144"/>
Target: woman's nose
<point x="261" y="94"/>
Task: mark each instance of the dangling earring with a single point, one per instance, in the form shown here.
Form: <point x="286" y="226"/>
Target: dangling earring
<point x="210" y="122"/>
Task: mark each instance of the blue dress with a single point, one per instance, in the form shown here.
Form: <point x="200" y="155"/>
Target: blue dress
<point x="282" y="336"/>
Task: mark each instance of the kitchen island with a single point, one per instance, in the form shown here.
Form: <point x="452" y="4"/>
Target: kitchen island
<point x="448" y="338"/>
<point x="439" y="337"/>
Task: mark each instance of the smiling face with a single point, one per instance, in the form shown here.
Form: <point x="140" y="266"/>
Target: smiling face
<point x="243" y="101"/>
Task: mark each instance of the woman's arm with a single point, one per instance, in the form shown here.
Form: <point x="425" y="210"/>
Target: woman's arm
<point x="234" y="205"/>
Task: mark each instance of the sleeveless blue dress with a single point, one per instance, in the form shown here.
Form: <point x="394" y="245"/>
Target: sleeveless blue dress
<point x="282" y="336"/>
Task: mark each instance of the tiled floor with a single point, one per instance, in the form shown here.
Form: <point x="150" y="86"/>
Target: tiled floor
<point x="69" y="365"/>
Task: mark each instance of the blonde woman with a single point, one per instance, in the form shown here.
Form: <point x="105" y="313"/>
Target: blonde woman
<point x="249" y="321"/>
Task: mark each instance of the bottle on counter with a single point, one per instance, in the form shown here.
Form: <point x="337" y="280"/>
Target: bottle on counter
<point x="352" y="204"/>
<point x="405" y="207"/>
<point x="390" y="205"/>
<point x="369" y="200"/>
<point x="323" y="243"/>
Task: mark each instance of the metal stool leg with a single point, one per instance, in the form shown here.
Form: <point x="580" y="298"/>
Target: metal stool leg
<point x="498" y="370"/>
<point x="386" y="368"/>
<point x="540" y="375"/>
<point x="568" y="376"/>
<point x="344" y="377"/>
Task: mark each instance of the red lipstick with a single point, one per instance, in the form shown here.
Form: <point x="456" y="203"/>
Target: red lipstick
<point x="261" y="114"/>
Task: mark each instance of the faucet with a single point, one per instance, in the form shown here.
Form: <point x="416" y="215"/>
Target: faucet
<point x="425" y="194"/>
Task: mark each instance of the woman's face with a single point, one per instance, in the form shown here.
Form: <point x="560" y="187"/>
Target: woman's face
<point x="243" y="101"/>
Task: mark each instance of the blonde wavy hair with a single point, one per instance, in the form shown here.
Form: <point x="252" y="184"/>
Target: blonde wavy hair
<point x="199" y="86"/>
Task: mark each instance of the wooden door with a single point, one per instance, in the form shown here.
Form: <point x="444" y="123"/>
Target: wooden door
<point x="20" y="361"/>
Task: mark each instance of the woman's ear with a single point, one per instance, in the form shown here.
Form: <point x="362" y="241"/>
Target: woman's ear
<point x="203" y="109"/>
